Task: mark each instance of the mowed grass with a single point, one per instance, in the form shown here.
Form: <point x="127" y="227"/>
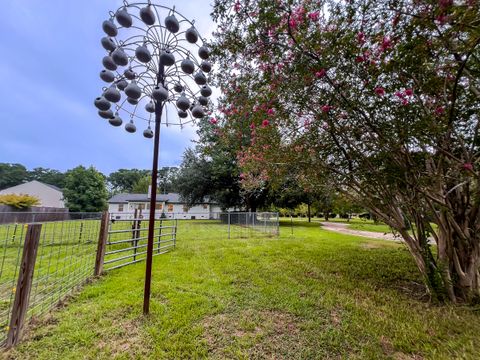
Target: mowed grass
<point x="311" y="295"/>
<point x="355" y="223"/>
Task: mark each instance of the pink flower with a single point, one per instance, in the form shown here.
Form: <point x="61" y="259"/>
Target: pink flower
<point x="361" y="37"/>
<point x="386" y="43"/>
<point x="441" y="19"/>
<point x="242" y="176"/>
<point x="265" y="123"/>
<point x="213" y="121"/>
<point x="439" y="110"/>
<point x="237" y="6"/>
<point x="404" y="102"/>
<point x="252" y="126"/>
<point x="468" y="166"/>
<point x="399" y="94"/>
<point x="443" y="4"/>
<point x="321" y="73"/>
<point x="359" y="59"/>
<point x="409" y="92"/>
<point x="270" y="111"/>
<point x="326" y="108"/>
<point x="380" y="91"/>
<point x="292" y="23"/>
<point x="314" y="16"/>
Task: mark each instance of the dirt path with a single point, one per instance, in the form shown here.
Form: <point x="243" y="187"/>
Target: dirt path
<point x="343" y="228"/>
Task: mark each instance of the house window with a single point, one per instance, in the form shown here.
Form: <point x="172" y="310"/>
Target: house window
<point x="141" y="206"/>
<point x="159" y="206"/>
<point x="120" y="207"/>
<point x="185" y="208"/>
<point x="170" y="207"/>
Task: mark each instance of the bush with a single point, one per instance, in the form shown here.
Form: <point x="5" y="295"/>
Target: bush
<point x="21" y="201"/>
<point x="332" y="216"/>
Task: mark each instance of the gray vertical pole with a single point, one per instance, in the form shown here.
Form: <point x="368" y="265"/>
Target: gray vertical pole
<point x="228" y="224"/>
<point x="278" y="224"/>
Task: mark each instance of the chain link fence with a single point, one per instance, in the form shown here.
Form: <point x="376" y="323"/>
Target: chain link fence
<point x="231" y="224"/>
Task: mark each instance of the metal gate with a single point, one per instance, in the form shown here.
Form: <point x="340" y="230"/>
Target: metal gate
<point x="127" y="240"/>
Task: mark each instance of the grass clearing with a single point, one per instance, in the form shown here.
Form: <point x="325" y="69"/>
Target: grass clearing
<point x="313" y="295"/>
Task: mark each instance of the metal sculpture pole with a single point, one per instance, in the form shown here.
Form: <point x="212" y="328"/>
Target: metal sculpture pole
<point x="160" y="65"/>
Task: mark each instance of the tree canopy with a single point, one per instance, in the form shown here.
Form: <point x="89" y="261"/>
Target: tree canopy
<point x="85" y="190"/>
<point x="380" y="97"/>
<point x="12" y="175"/>
<point x="124" y="180"/>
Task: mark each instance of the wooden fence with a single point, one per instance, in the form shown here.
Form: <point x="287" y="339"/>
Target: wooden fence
<point x="9" y="215"/>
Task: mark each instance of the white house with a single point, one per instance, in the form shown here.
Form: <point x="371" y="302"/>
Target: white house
<point x="49" y="195"/>
<point x="123" y="206"/>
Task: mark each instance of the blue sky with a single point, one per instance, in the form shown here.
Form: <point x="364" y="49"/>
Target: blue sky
<point x="51" y="58"/>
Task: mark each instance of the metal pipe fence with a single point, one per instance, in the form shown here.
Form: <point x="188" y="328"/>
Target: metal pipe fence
<point x="127" y="240"/>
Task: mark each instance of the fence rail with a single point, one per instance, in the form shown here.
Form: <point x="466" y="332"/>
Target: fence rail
<point x="127" y="240"/>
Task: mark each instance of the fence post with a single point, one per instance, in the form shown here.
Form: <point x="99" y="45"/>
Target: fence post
<point x="278" y="224"/>
<point x="24" y="284"/>
<point x="160" y="236"/>
<point x="102" y="241"/>
<point x="134" y="234"/>
<point x="175" y="238"/>
<point x="228" y="224"/>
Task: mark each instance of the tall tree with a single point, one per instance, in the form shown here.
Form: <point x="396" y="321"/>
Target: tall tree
<point x="85" y="190"/>
<point x="383" y="98"/>
<point x="12" y="174"/>
<point x="166" y="179"/>
<point x="47" y="176"/>
<point x="142" y="185"/>
<point x="123" y="180"/>
<point x="210" y="170"/>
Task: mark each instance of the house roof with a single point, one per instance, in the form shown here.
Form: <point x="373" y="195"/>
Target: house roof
<point x="53" y="187"/>
<point x="14" y="188"/>
<point x="126" y="198"/>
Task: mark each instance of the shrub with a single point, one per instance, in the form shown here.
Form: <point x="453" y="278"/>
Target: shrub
<point x="21" y="201"/>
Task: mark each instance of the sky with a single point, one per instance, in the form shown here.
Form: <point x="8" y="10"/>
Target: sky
<point x="49" y="68"/>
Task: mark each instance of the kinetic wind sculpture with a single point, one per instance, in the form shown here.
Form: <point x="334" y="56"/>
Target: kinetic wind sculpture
<point x="155" y="58"/>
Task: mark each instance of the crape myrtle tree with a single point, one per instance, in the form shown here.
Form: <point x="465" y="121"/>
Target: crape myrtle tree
<point x="383" y="97"/>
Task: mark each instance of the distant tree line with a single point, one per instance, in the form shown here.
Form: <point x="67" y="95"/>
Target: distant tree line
<point x="210" y="171"/>
<point x="87" y="189"/>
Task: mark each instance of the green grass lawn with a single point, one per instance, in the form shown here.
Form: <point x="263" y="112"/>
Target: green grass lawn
<point x="354" y="224"/>
<point x="370" y="226"/>
<point x="313" y="295"/>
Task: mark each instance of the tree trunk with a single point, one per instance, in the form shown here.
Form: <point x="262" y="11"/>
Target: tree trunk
<point x="309" y="213"/>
